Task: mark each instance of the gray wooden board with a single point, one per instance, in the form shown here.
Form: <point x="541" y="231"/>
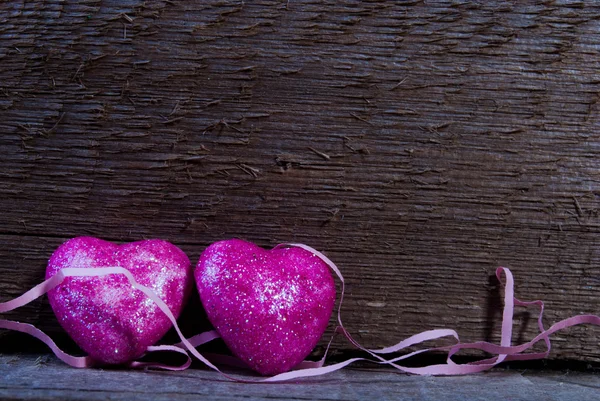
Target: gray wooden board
<point x="420" y="144"/>
<point x="45" y="378"/>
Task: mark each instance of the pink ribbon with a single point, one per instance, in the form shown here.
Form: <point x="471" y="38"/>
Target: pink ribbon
<point x="503" y="352"/>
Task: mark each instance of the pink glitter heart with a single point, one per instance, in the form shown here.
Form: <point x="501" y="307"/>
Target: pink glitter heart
<point x="270" y="307"/>
<point x="105" y="316"/>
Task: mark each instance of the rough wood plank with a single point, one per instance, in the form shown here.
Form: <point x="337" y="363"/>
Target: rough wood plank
<point x="459" y="136"/>
<point x="45" y="379"/>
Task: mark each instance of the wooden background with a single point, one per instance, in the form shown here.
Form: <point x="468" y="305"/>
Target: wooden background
<point x="420" y="144"/>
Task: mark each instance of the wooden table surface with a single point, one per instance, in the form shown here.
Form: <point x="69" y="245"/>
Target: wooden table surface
<point x="42" y="378"/>
<point x="420" y="144"/>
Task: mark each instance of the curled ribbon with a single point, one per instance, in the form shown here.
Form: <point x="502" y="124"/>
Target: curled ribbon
<point x="503" y="352"/>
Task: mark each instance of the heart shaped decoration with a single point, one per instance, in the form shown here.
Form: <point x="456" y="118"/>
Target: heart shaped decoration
<point x="109" y="319"/>
<point x="270" y="307"/>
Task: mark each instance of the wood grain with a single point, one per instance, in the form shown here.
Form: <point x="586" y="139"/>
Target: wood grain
<point x="420" y="144"/>
<point x="27" y="377"/>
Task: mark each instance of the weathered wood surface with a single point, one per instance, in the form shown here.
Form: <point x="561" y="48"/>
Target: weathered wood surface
<point x="420" y="144"/>
<point x="45" y="379"/>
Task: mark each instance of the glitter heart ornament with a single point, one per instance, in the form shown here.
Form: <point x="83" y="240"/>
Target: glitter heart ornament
<point x="109" y="319"/>
<point x="270" y="307"/>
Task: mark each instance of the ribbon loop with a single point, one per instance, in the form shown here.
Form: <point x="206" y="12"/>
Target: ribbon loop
<point x="505" y="352"/>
